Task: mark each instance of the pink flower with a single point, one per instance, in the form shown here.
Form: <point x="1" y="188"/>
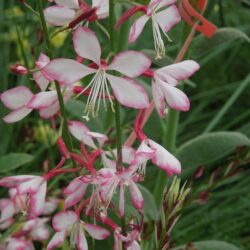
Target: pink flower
<point x="72" y="12"/>
<point x="19" y="69"/>
<point x="7" y="209"/>
<point x="14" y="243"/>
<point x="69" y="222"/>
<point x="130" y="63"/>
<point x="34" y="186"/>
<point x="16" y="99"/>
<point x="163" y="14"/>
<point x="164" y="84"/>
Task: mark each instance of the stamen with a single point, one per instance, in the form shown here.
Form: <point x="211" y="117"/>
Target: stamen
<point x="158" y="41"/>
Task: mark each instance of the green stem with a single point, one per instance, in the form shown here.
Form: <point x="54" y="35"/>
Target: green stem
<point x="66" y="134"/>
<point x="227" y="105"/>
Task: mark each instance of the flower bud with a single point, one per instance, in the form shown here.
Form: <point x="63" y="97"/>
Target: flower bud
<point x="19" y="69"/>
<point x="62" y="148"/>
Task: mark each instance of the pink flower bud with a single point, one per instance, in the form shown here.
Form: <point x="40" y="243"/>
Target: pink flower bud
<point x="19" y="69"/>
<point x="62" y="148"/>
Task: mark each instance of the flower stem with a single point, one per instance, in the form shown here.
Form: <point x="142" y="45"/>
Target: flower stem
<point x="66" y="134"/>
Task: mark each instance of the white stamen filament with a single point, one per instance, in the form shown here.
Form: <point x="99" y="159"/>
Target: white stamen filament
<point x="98" y="90"/>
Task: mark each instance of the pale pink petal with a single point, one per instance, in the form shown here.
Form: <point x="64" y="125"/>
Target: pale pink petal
<point x="101" y="138"/>
<point x="50" y="111"/>
<point x="74" y="185"/>
<point x="158" y="4"/>
<point x="57" y="240"/>
<point x="164" y="159"/>
<point x="136" y="196"/>
<point x="128" y="92"/>
<point x="102" y="8"/>
<point x="87" y="45"/>
<point x="30" y="186"/>
<point x="58" y="15"/>
<point x="64" y="220"/>
<point x="130" y="63"/>
<point x="143" y="153"/>
<point x="79" y="131"/>
<point x="41" y="81"/>
<point x="75" y="197"/>
<point x="18" y="244"/>
<point x="179" y="71"/>
<point x="134" y="246"/>
<point x="16" y="98"/>
<point x="96" y="232"/>
<point x="37" y="201"/>
<point x="66" y="71"/>
<point x="82" y="243"/>
<point x="43" y="100"/>
<point x="40" y="234"/>
<point x="168" y="18"/>
<point x="122" y="201"/>
<point x="137" y="28"/>
<point x="42" y="61"/>
<point x="14" y="181"/>
<point x="29" y="225"/>
<point x="158" y="98"/>
<point x="6" y="224"/>
<point x="50" y="207"/>
<point x="17" y="115"/>
<point x="7" y="210"/>
<point x="175" y="98"/>
<point x="73" y="4"/>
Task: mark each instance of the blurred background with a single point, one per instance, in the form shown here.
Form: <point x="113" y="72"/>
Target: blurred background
<point x="213" y="138"/>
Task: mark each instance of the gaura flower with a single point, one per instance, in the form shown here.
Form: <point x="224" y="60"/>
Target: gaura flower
<point x="129" y="63"/>
<point x="16" y="99"/>
<point x="34" y="186"/>
<point x="163" y="14"/>
<point x="164" y="82"/>
<point x="72" y="12"/>
<point x="68" y="222"/>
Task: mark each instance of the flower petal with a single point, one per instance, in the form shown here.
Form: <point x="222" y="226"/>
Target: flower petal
<point x="158" y="4"/>
<point x="40" y="233"/>
<point x="57" y="240"/>
<point x="102" y="8"/>
<point x="175" y="98"/>
<point x="14" y="181"/>
<point x="30" y="186"/>
<point x="58" y="15"/>
<point x="178" y="71"/>
<point x="137" y="28"/>
<point x="37" y="201"/>
<point x="136" y="196"/>
<point x="130" y="63"/>
<point x="16" y="98"/>
<point x="75" y="197"/>
<point x="87" y="45"/>
<point x="96" y="232"/>
<point x="73" y="4"/>
<point x="122" y="200"/>
<point x="7" y="210"/>
<point x="168" y="18"/>
<point x="41" y="81"/>
<point x="82" y="243"/>
<point x="128" y="92"/>
<point x="42" y="61"/>
<point x="66" y="71"/>
<point x="158" y="98"/>
<point x="43" y="100"/>
<point x="79" y="131"/>
<point x="17" y="115"/>
<point x="64" y="220"/>
<point x="164" y="159"/>
<point x="50" y="111"/>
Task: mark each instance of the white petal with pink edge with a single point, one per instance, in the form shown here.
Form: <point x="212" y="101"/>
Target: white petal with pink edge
<point x="43" y="100"/>
<point x="82" y="243"/>
<point x="75" y="197"/>
<point x="168" y="18"/>
<point x="42" y="61"/>
<point x="158" y="98"/>
<point x="158" y="4"/>
<point x="130" y="63"/>
<point x="128" y="92"/>
<point x="179" y="71"/>
<point x="73" y="185"/>
<point x="102" y="8"/>
<point x="175" y="98"/>
<point x="63" y="220"/>
<point x="79" y="131"/>
<point x="136" y="196"/>
<point x="58" y="15"/>
<point x="87" y="45"/>
<point x="165" y="160"/>
<point x="7" y="209"/>
<point x="96" y="232"/>
<point x="66" y="71"/>
<point x="50" y="111"/>
<point x="41" y="81"/>
<point x="40" y="233"/>
<point x="137" y="28"/>
<point x="17" y="115"/>
<point x="57" y="240"/>
<point x="16" y="98"/>
<point x="14" y="181"/>
<point x="30" y="186"/>
<point x="74" y="4"/>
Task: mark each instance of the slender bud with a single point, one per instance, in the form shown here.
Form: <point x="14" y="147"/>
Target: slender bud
<point x="62" y="148"/>
<point x="19" y="69"/>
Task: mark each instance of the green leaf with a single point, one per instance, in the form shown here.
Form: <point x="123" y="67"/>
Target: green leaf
<point x="13" y="161"/>
<point x="208" y="245"/>
<point x="202" y="45"/>
<point x="210" y="147"/>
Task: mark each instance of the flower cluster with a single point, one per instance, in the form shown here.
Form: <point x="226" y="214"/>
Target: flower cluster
<point x="90" y="206"/>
